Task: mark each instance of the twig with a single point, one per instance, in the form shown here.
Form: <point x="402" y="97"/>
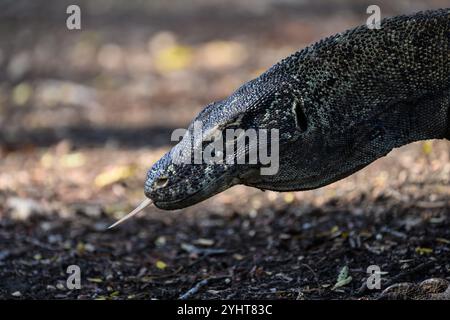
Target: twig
<point x="431" y="205"/>
<point x="167" y="275"/>
<point x="194" y="290"/>
<point x="399" y="276"/>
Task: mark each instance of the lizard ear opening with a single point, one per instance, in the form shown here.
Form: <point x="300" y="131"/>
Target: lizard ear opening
<point x="300" y="117"/>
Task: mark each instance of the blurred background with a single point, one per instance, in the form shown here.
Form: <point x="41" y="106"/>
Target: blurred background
<point x="85" y="113"/>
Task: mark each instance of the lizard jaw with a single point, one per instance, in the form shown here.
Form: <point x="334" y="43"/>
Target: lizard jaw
<point x="220" y="184"/>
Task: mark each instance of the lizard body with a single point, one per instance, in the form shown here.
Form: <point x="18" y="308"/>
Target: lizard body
<point x="338" y="104"/>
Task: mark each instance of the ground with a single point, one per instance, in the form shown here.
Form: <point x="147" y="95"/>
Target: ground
<point x="84" y="114"/>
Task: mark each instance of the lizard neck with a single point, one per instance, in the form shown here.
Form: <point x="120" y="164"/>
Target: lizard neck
<point x="430" y="117"/>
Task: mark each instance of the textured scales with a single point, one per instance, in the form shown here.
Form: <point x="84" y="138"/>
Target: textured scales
<point x="339" y="104"/>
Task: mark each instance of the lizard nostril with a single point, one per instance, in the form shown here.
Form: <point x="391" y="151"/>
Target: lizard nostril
<point x="161" y="182"/>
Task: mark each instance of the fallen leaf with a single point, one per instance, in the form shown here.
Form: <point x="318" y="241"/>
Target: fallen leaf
<point x="173" y="58"/>
<point x="21" y="94"/>
<point x="221" y="54"/>
<point x="161" y="265"/>
<point x="343" y="278"/>
<point x="204" y="242"/>
<point x="427" y="147"/>
<point x="72" y="160"/>
<point x="114" y="175"/>
<point x="443" y="240"/>
<point x="421" y="250"/>
<point x="289" y="197"/>
<point x="16" y="294"/>
<point x="238" y="257"/>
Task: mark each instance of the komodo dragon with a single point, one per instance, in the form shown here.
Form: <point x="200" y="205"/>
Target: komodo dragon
<point x="338" y="104"/>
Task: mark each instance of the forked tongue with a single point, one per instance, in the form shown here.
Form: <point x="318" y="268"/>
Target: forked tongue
<point x="139" y="208"/>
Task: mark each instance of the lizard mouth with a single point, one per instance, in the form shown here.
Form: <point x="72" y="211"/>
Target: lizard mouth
<point x="220" y="184"/>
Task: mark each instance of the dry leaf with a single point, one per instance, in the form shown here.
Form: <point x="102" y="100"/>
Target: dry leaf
<point x="114" y="175"/>
<point x="421" y="250"/>
<point x="161" y="265"/>
<point x="173" y="58"/>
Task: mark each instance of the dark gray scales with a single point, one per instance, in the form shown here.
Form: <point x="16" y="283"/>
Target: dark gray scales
<point x="339" y="105"/>
<point x="349" y="76"/>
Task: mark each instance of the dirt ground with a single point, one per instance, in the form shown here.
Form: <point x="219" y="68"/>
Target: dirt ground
<point x="84" y="114"/>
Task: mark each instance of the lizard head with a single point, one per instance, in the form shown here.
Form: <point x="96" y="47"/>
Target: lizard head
<point x="310" y="144"/>
<point x="210" y="158"/>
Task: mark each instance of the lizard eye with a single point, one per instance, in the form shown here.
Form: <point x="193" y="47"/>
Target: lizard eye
<point x="300" y="117"/>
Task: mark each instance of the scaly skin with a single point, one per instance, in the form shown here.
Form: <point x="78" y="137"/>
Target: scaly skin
<point x="338" y="104"/>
